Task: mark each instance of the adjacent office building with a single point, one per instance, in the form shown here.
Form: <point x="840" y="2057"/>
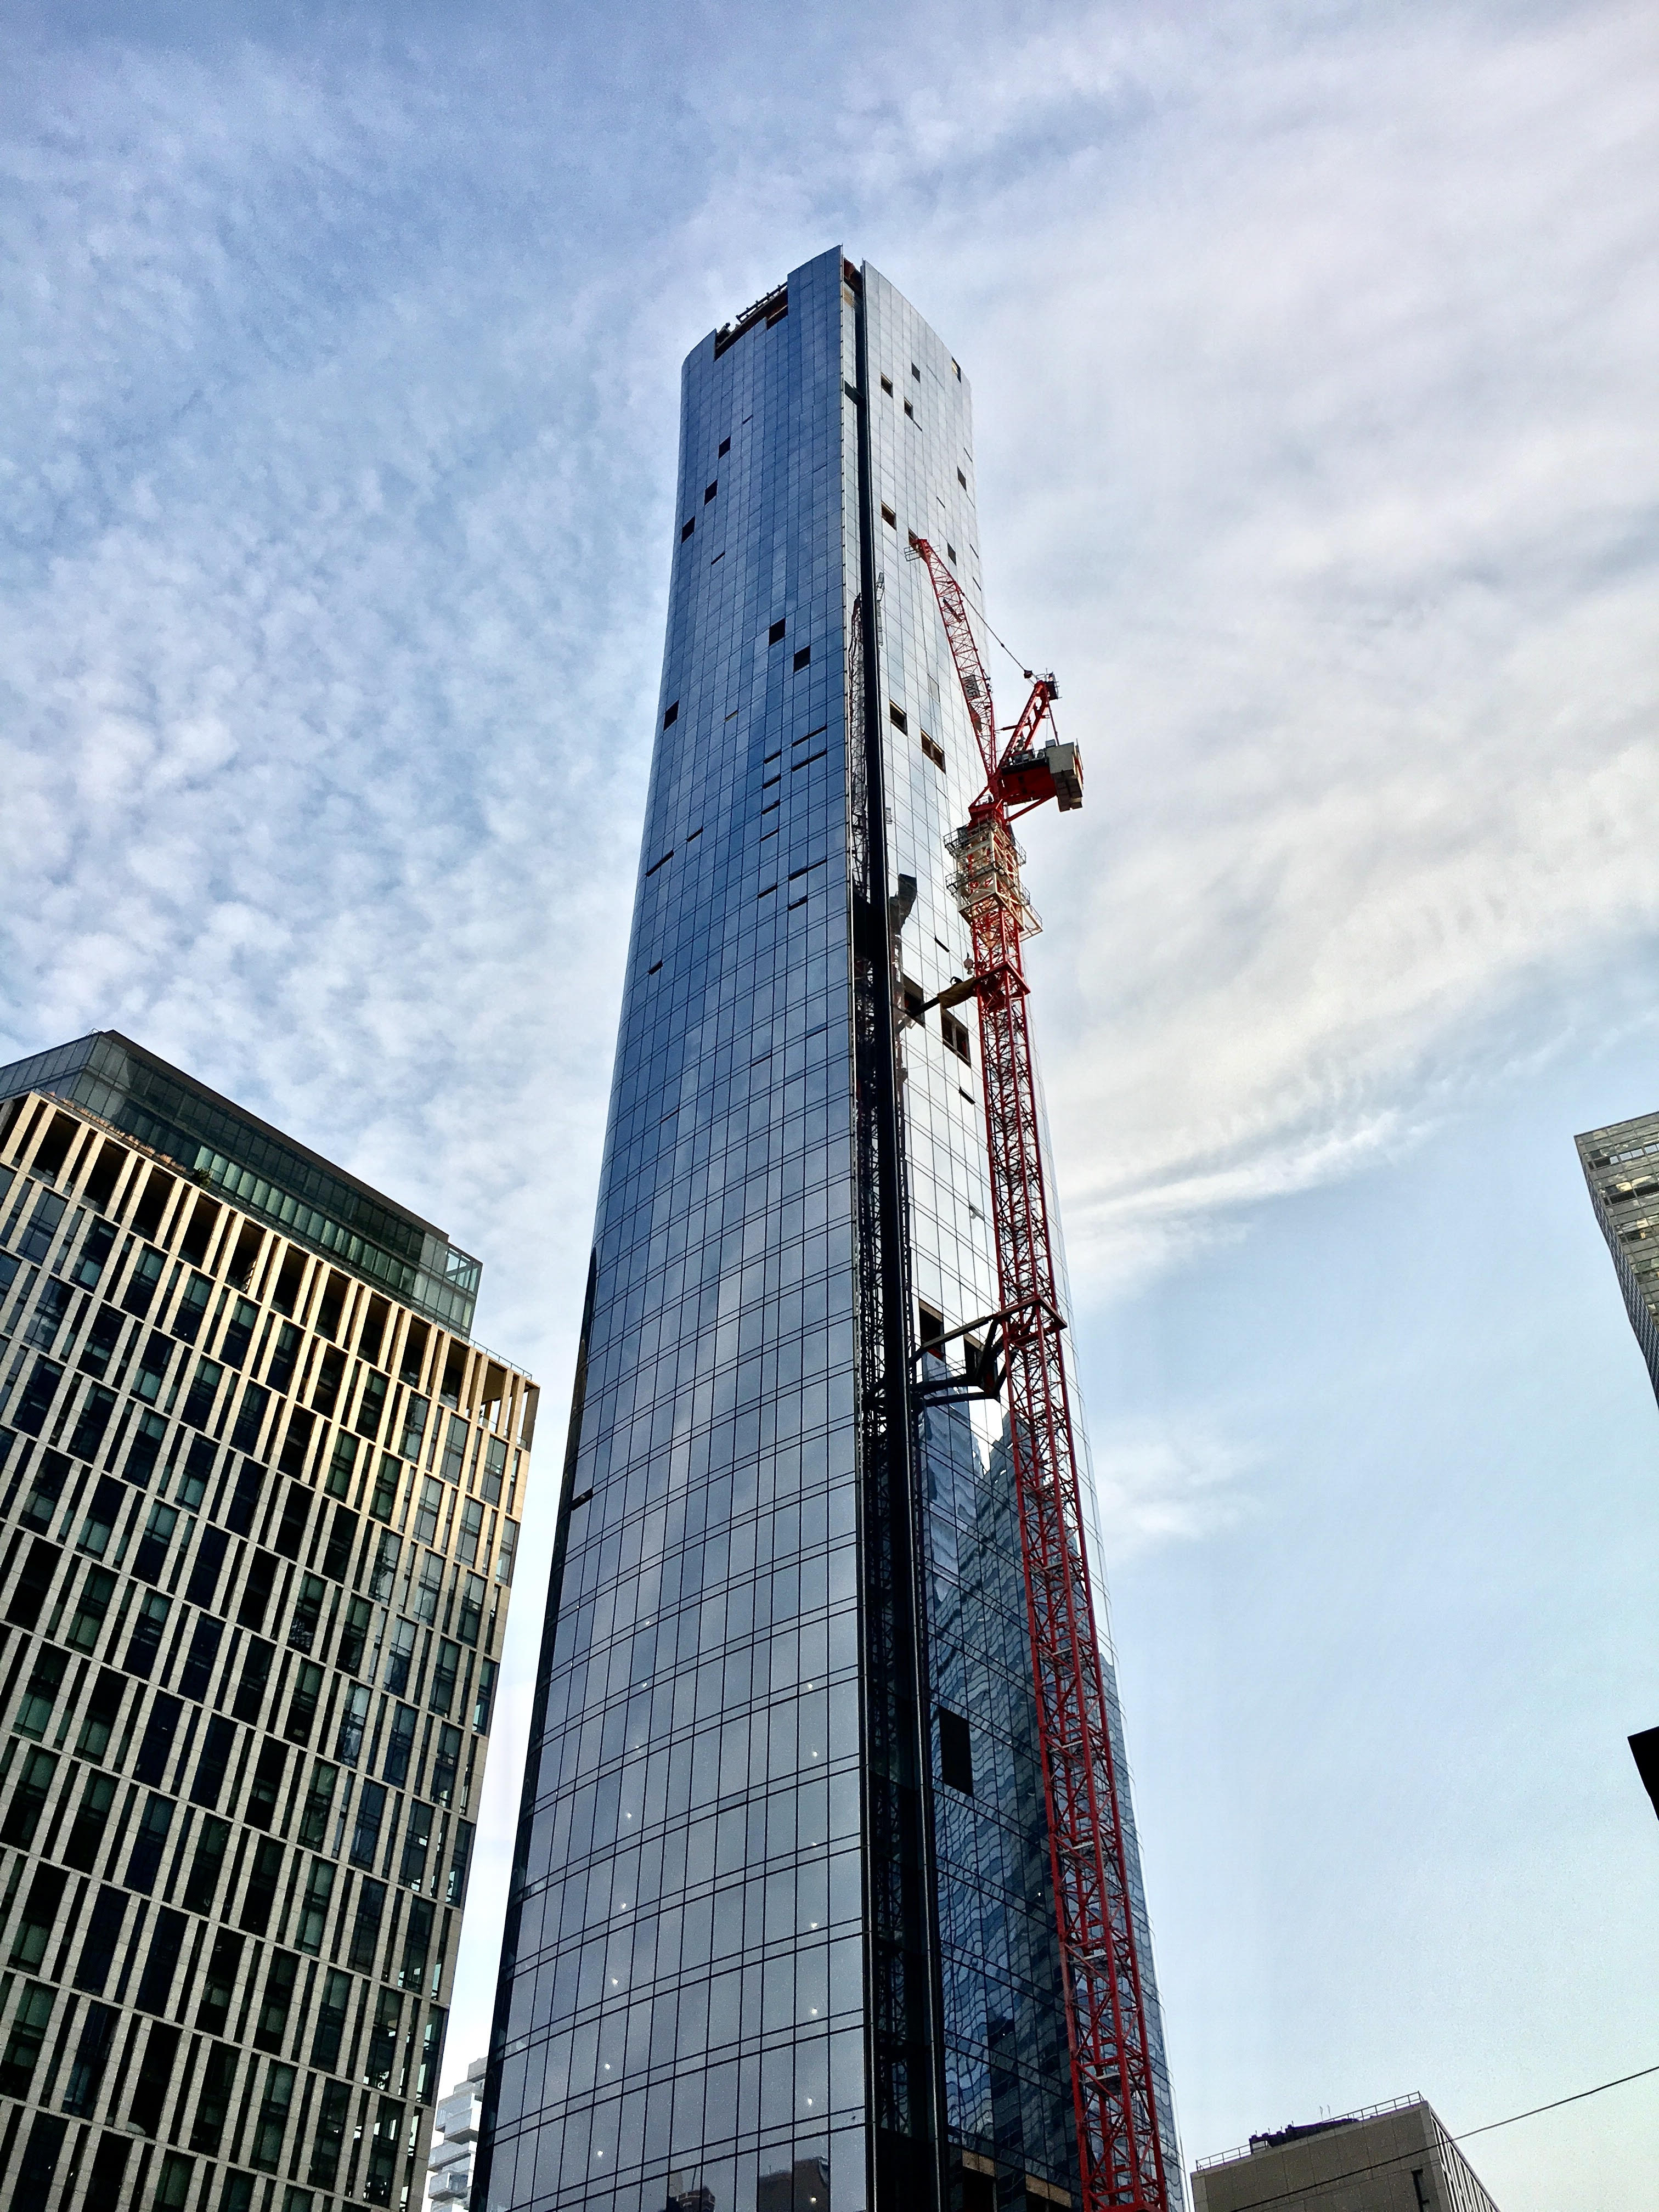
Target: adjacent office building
<point x="258" y="1499"/>
<point x="780" y="1937"/>
<point x="1621" y="1166"/>
<point x="1387" y="2158"/>
<point x="454" y="2140"/>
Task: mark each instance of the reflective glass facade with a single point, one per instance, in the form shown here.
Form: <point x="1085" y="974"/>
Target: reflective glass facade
<point x="1621" y="1167"/>
<point x="780" y="1934"/>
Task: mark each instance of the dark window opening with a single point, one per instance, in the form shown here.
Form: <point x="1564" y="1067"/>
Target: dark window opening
<point x="270" y="2021"/>
<point x="803" y="657"/>
<point x="204" y="1582"/>
<point x="248" y="1244"/>
<point x="898" y="716"/>
<point x="103" y="1710"/>
<point x="725" y="448"/>
<point x="916" y="372"/>
<point x="41" y="1910"/>
<point x="211" y="1838"/>
<point x="158" y="1189"/>
<point x="708" y="491"/>
<point x="203" y="1389"/>
<point x="954" y="1033"/>
<point x="888" y="516"/>
<point x="193" y="1304"/>
<point x="40" y="1691"/>
<point x="932" y="750"/>
<point x="94" y="1251"/>
<point x="105" y="1175"/>
<point x="151" y="1562"/>
<point x="149" y="2094"/>
<point x="326" y="1390"/>
<point x="34" y="1405"/>
<point x="204" y="1641"/>
<point x="289" y="1277"/>
<point x="887" y="384"/>
<point x="672" y="715"/>
<point x="49" y="1308"/>
<point x="152" y="1368"/>
<point x="366" y="1926"/>
<point x="332" y="2020"/>
<point x="167" y="1944"/>
<point x="956" y="1755"/>
<point x="36" y="1240"/>
<point x="103" y="1933"/>
<point x="686" y="528"/>
<point x="204" y="1218"/>
<point x="17" y="2064"/>
<point x="213" y="2106"/>
<point x="413" y="1357"/>
<point x="141" y="1283"/>
<point x="328" y="1309"/>
<point x="239" y="1333"/>
<point x="775" y="635"/>
<point x="51" y="1472"/>
<point x="280" y="1373"/>
<point x="256" y="1667"/>
<point x="307" y="1611"/>
<point x="218" y="1739"/>
<point x="261" y="1893"/>
<point x="91" y="2057"/>
<point x="155" y="1746"/>
<point x="961" y="480"/>
<point x="91" y="1818"/>
<point x="144" y="1861"/>
<point x="455" y="1375"/>
<point x="932" y="1326"/>
<point x="297" y="1442"/>
<point x="371" y="1335"/>
<point x="291" y="1528"/>
<point x="302" y="1703"/>
<point x="142" y="1452"/>
<point x="244" y="1498"/>
<point x="30" y="1593"/>
<point x="950" y="553"/>
<point x="250" y="1417"/>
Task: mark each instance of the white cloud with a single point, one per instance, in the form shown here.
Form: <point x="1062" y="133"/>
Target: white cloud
<point x="1312" y="350"/>
<point x="1163" y="1483"/>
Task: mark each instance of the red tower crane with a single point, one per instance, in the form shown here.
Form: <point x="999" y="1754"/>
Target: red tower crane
<point x="1118" y="2149"/>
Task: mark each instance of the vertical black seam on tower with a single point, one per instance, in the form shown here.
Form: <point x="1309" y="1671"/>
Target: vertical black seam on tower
<point x="904" y="1994"/>
<point x="490" y="2102"/>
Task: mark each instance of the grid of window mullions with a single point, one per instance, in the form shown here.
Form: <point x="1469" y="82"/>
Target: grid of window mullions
<point x="296" y="1711"/>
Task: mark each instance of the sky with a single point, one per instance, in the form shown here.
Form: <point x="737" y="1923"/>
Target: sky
<point x="1317" y="438"/>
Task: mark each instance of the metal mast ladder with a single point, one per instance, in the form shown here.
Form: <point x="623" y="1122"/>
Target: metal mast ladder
<point x="1120" y="2151"/>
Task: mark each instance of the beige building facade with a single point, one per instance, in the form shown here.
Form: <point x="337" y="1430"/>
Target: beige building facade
<point x="1389" y="2158"/>
<point x="259" y="1501"/>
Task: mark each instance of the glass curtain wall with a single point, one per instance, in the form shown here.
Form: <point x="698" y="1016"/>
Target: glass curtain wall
<point x="780" y="1934"/>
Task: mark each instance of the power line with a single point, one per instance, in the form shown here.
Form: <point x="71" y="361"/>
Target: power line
<point x="1576" y="2097"/>
<point x="1404" y="2157"/>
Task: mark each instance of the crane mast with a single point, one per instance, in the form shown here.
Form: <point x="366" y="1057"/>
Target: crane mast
<point x="1120" y="2153"/>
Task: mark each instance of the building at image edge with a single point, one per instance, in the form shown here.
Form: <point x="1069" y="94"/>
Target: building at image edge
<point x="1621" y="1169"/>
<point x="1397" y="2157"/>
<point x="258" y="1500"/>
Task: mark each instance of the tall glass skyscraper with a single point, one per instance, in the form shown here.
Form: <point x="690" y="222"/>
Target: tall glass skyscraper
<point x="781" y="1937"/>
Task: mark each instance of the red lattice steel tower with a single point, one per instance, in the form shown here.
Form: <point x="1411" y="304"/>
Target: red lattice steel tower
<point x="1120" y="2151"/>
